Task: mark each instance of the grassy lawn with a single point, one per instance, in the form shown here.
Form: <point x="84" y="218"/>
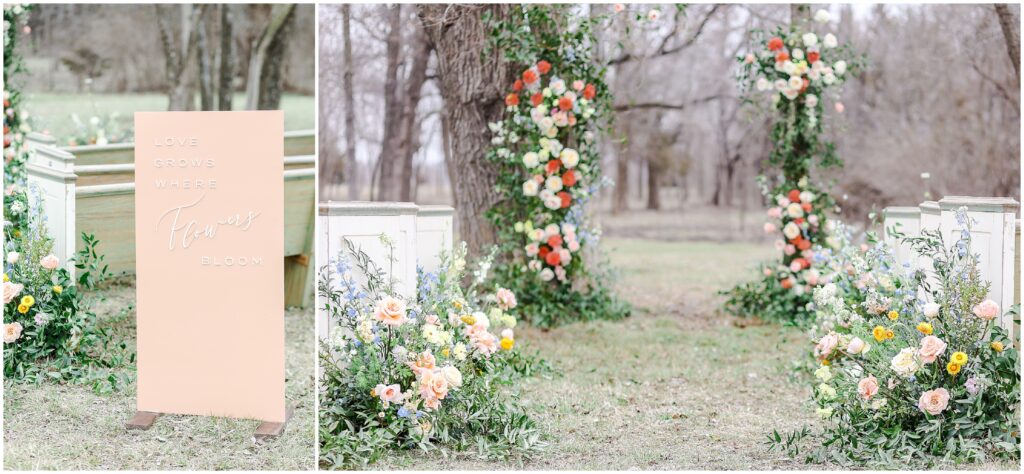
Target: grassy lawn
<point x="67" y="427"/>
<point x="53" y="112"/>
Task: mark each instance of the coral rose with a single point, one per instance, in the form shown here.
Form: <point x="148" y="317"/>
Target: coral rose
<point x="543" y="66"/>
<point x="931" y="348"/>
<point x="553" y="258"/>
<point x="775" y="44"/>
<point x="518" y="85"/>
<point x="826" y="345"/>
<point x="51" y="261"/>
<point x="566" y="199"/>
<point x="529" y="76"/>
<point x="555" y="241"/>
<point x="589" y="92"/>
<point x="536" y="99"/>
<point x="512" y="100"/>
<point x="12" y="332"/>
<point x="569" y="178"/>
<point x="934" y="402"/>
<point x="506" y="299"/>
<point x="390" y="311"/>
<point x="565" y="103"/>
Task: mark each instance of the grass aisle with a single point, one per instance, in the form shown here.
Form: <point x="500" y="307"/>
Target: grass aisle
<point x="68" y="427"/>
<point x="676" y="386"/>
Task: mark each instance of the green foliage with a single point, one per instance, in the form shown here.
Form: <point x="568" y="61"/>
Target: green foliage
<point x="446" y="339"/>
<point x="537" y="141"/>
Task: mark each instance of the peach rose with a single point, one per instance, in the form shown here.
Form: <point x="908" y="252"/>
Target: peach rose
<point x="931" y="348"/>
<point x="433" y="385"/>
<point x="432" y="319"/>
<point x="425" y="362"/>
<point x="389" y="393"/>
<point x="431" y="403"/>
<point x="934" y="402"/>
<point x="11" y="290"/>
<point x="49" y="262"/>
<point x="485" y="343"/>
<point x="475" y="330"/>
<point x="856" y="346"/>
<point x="867" y="387"/>
<point x="826" y="345"/>
<point x="12" y="332"/>
<point x="506" y="299"/>
<point x="390" y="311"/>
<point x="987" y="310"/>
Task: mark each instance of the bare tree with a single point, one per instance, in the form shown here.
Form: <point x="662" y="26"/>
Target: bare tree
<point x="226" y="84"/>
<point x="263" y="88"/>
<point x="388" y="163"/>
<point x="1011" y="32"/>
<point x="179" y="55"/>
<point x="351" y="164"/>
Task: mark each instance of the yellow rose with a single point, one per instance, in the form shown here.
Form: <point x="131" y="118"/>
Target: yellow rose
<point x="23" y="308"/>
<point x="879" y="333"/>
<point x="894" y="315"/>
<point x="953" y="368"/>
<point x="958" y="358"/>
<point x="507" y="343"/>
<point x="28" y="300"/>
<point x="997" y="346"/>
<point x="925" y="328"/>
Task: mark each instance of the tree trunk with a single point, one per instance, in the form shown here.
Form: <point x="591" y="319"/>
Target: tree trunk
<point x="206" y="93"/>
<point x="226" y="83"/>
<point x="177" y="59"/>
<point x="410" y="129"/>
<point x="266" y="60"/>
<point x="351" y="165"/>
<point x="1011" y="33"/>
<point x="653" y="189"/>
<point x="472" y="79"/>
<point x="388" y="188"/>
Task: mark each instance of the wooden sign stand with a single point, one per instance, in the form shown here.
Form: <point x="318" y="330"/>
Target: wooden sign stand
<point x="143" y="420"/>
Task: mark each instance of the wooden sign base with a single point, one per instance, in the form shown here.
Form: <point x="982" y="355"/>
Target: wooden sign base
<point x="143" y="420"/>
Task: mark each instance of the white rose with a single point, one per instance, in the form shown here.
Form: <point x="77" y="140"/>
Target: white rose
<point x="530" y="188"/>
<point x="795" y="82"/>
<point x="553" y="202"/>
<point x="840" y="67"/>
<point x="781" y="84"/>
<point x="830" y="41"/>
<point x="531" y="160"/>
<point x="794" y="210"/>
<point x="822" y="16"/>
<point x="452" y="375"/>
<point x="12" y="257"/>
<point x="806" y="196"/>
<point x="798" y="54"/>
<point x="570" y="158"/>
<point x="810" y="40"/>
<point x="828" y="78"/>
<point x="763" y="84"/>
<point x="905" y="363"/>
<point x="547" y="274"/>
<point x="789" y="68"/>
<point x="791" y="230"/>
<point x="931" y="310"/>
<point x="812" y="100"/>
<point x="554" y="184"/>
<point x="791" y="93"/>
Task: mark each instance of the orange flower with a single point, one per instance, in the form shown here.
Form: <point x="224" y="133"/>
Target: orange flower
<point x="794" y="195"/>
<point x="512" y="100"/>
<point x="782" y="56"/>
<point x="568" y="179"/>
<point x="518" y="85"/>
<point x="555" y="241"/>
<point x="787" y="283"/>
<point x="775" y="44"/>
<point x="803" y="244"/>
<point x="589" y="92"/>
<point x="566" y="199"/>
<point x="553" y="258"/>
<point x="553" y="166"/>
<point x="565" y="103"/>
<point x="529" y="76"/>
<point x="543" y="66"/>
<point x="536" y="99"/>
<point x="813" y="57"/>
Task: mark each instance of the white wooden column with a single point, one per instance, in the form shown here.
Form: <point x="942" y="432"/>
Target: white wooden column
<point x="362" y="223"/>
<point x="51" y="186"/>
<point x="906" y="221"/>
<point x="992" y="239"/>
<point x="434" y="226"/>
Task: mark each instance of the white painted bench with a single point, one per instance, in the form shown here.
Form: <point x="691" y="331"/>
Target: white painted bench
<point x="419" y="234"/>
<point x="99" y="198"/>
<point x="995" y="237"/>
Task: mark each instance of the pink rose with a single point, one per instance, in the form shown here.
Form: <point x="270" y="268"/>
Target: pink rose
<point x="560" y="273"/>
<point x="795" y="266"/>
<point x="770" y="228"/>
<point x="987" y="310"/>
<point x="775" y="212"/>
<point x="564" y="256"/>
<point x="389" y="393"/>
<point x="856" y="346"/>
<point x="812" y="277"/>
<point x="578" y="85"/>
<point x="49" y="262"/>
<point x="432" y="319"/>
<point x="507" y="333"/>
<point x="12" y="332"/>
<point x="485" y="343"/>
<point x="532" y="249"/>
<point x="934" y="402"/>
<point x="840" y="107"/>
<point x="779" y="245"/>
<point x="506" y="299"/>
<point x="574" y="246"/>
<point x="11" y="290"/>
<point x="826" y="345"/>
<point x="868" y="387"/>
<point x="767" y="272"/>
<point x="931" y="348"/>
<point x="790" y="249"/>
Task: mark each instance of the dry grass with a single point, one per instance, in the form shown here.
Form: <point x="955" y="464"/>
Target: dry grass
<point x="68" y="427"/>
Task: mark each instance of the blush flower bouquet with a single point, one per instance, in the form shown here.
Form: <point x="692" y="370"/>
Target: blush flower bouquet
<point x="417" y="372"/>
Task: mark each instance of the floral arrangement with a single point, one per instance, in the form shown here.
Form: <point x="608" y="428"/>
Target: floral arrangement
<point x="49" y="331"/>
<point x="402" y="373"/>
<point x="100" y="130"/>
<point x="911" y="364"/>
<point x="546" y="151"/>
<point x="797" y="70"/>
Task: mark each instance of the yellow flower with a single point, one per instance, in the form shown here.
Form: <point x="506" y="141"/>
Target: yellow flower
<point x="889" y="334"/>
<point x="58" y="289"/>
<point x="28" y="300"/>
<point x="958" y="358"/>
<point x="507" y="343"/>
<point x="373" y="392"/>
<point x="23" y="308"/>
<point x="6" y="278"/>
<point x="879" y="333"/>
<point x="894" y="315"/>
<point x="468" y="319"/>
<point x="457" y="304"/>
<point x="953" y="368"/>
<point x="997" y="346"/>
<point x="826" y="362"/>
<point x="446" y="352"/>
<point x="925" y="328"/>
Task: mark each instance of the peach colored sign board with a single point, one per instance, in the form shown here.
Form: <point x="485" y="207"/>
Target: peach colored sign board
<point x="209" y="232"/>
